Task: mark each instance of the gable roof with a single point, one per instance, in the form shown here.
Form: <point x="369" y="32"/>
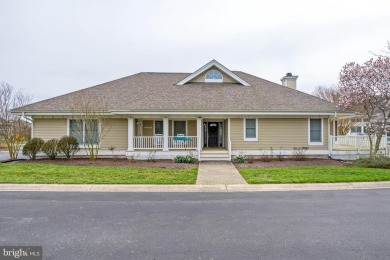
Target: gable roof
<point x="218" y="65"/>
<point x="158" y="92"/>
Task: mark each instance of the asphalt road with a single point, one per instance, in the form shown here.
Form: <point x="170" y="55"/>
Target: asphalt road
<point x="267" y="225"/>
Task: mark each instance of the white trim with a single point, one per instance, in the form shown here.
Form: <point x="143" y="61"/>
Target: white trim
<point x="154" y="125"/>
<point x="277" y="152"/>
<point x="329" y="138"/>
<point x="83" y="144"/>
<point x="225" y="113"/>
<point x="256" y="139"/>
<point x="173" y="126"/>
<point x="209" y="65"/>
<point x="166" y="133"/>
<point x="32" y="128"/>
<point x="143" y="155"/>
<point x="322" y="132"/>
<point x="195" y="113"/>
<point x="199" y="126"/>
<point x="130" y="134"/>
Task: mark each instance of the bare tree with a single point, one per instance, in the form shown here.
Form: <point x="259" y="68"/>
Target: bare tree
<point x="385" y="52"/>
<point x="331" y="94"/>
<point x="13" y="128"/>
<point x="89" y="123"/>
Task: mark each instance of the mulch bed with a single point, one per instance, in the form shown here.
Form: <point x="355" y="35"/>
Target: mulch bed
<point x="290" y="163"/>
<point x="116" y="162"/>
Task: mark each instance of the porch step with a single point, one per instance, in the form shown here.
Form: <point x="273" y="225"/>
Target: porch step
<point x="214" y="155"/>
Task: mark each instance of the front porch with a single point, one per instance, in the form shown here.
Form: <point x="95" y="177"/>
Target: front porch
<point x="168" y="137"/>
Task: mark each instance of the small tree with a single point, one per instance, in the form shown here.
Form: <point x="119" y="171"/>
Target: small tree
<point x="68" y="145"/>
<point x="331" y="94"/>
<point x="367" y="87"/>
<point x="91" y="122"/>
<point x="14" y="129"/>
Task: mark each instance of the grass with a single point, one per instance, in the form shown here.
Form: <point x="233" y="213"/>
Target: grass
<point x="64" y="174"/>
<point x="314" y="174"/>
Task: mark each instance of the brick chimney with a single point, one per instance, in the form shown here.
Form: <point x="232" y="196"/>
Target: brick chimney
<point x="289" y="81"/>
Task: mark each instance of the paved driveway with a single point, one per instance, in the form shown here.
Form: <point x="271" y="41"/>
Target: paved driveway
<point x="4" y="156"/>
<point x="269" y="225"/>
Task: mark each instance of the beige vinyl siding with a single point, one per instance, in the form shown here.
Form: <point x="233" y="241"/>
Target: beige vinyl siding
<point x="191" y="124"/>
<point x="226" y="78"/>
<point x="170" y="128"/>
<point x="278" y="133"/>
<point x="148" y="128"/>
<point x="50" y="128"/>
<point x="116" y="135"/>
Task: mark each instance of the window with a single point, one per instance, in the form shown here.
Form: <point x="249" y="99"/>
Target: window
<point x="315" y="131"/>
<point x="85" y="131"/>
<point x="158" y="128"/>
<point x="250" y="129"/>
<point x="213" y="76"/>
<point x="179" y="128"/>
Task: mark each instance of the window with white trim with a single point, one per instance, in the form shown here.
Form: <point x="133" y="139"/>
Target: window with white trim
<point x="85" y="131"/>
<point x="158" y="127"/>
<point x="250" y="129"/>
<point x="213" y="76"/>
<point x="315" y="131"/>
<point x="179" y="128"/>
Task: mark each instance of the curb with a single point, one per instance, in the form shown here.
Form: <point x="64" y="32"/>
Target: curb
<point x="194" y="188"/>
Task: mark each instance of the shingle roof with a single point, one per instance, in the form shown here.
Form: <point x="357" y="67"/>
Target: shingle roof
<point x="159" y="92"/>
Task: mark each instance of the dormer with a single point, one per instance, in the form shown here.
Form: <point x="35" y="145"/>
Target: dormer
<point x="213" y="72"/>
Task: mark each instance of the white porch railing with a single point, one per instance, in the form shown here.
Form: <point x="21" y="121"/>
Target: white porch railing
<point x="355" y="142"/>
<point x="182" y="142"/>
<point x="157" y="142"/>
<point x="148" y="142"/>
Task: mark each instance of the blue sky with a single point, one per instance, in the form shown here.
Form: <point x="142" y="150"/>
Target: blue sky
<point x="50" y="48"/>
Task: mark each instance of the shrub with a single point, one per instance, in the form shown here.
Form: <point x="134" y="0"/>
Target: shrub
<point x="50" y="148"/>
<point x="68" y="146"/>
<point x="300" y="153"/>
<point x="377" y="162"/>
<point x="239" y="158"/>
<point x="184" y="159"/>
<point x="151" y="156"/>
<point x="32" y="147"/>
<point x="133" y="157"/>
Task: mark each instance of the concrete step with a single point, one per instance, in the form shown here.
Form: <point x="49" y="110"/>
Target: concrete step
<point x="214" y="155"/>
<point x="203" y="159"/>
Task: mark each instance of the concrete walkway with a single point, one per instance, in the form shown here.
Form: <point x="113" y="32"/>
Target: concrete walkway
<point x="214" y="173"/>
<point x="194" y="188"/>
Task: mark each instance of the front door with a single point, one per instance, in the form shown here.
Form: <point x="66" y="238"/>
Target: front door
<point x="212" y="134"/>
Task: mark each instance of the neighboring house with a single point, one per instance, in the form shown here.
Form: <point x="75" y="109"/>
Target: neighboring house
<point x="213" y="112"/>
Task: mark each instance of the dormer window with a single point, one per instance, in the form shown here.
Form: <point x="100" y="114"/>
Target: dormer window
<point x="213" y="76"/>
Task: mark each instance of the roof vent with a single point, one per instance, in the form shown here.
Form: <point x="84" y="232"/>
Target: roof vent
<point x="289" y="80"/>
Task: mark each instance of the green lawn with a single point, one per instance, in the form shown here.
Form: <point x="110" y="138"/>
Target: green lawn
<point x="313" y="174"/>
<point x="63" y="174"/>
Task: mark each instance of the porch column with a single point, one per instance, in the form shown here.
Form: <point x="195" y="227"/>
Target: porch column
<point x="199" y="133"/>
<point x="130" y="134"/>
<point x="165" y="133"/>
